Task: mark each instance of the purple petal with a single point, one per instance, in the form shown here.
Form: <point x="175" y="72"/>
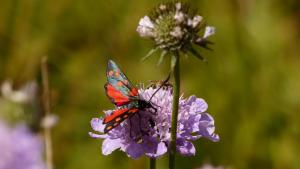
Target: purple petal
<point x="185" y="148"/>
<point x="153" y="148"/>
<point x="110" y="145"/>
<point x="93" y="135"/>
<point x="207" y="127"/>
<point x="197" y="104"/>
<point x="161" y="149"/>
<point x="149" y="144"/>
<point x="195" y="124"/>
<point x="97" y="124"/>
<point x="134" y="150"/>
<point x="214" y="137"/>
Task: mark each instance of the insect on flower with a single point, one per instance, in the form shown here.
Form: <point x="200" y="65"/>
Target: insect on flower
<point x="125" y="96"/>
<point x="194" y="122"/>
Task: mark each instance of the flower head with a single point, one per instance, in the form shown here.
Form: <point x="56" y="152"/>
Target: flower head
<point x="20" y="149"/>
<point x="173" y="29"/>
<point x="149" y="134"/>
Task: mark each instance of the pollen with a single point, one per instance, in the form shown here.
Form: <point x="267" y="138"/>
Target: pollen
<point x="109" y="127"/>
<point x="115" y="124"/>
<point x="118" y="119"/>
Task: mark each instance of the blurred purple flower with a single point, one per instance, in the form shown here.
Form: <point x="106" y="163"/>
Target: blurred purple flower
<point x="209" y="166"/>
<point x="20" y="149"/>
<point x="150" y="134"/>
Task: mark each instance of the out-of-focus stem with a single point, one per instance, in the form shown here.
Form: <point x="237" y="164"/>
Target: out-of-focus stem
<point x="152" y="163"/>
<point x="46" y="105"/>
<point x="176" y="90"/>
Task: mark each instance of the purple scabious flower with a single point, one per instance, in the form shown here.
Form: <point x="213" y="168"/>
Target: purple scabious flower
<point x="149" y="134"/>
<point x="20" y="149"/>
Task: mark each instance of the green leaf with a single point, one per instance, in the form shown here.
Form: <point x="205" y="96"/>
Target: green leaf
<point x="162" y="56"/>
<point x="151" y="52"/>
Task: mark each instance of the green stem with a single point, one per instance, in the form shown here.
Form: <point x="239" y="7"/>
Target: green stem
<point x="152" y="163"/>
<point x="176" y="90"/>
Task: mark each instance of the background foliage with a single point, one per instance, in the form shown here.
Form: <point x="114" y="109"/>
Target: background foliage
<point x="251" y="80"/>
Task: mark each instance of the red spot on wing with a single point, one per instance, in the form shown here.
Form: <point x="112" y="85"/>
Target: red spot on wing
<point x="134" y="92"/>
<point x="110" y="73"/>
<point x="117" y="74"/>
<point x="117" y="97"/>
<point x="133" y="110"/>
<point x="119" y="83"/>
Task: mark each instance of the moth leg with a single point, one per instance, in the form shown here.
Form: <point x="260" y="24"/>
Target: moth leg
<point x="155" y="105"/>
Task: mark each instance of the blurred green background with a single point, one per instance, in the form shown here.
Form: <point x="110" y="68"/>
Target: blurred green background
<point x="251" y="80"/>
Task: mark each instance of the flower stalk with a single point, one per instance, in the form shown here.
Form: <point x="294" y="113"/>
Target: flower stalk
<point x="46" y="104"/>
<point x="152" y="163"/>
<point x="176" y="90"/>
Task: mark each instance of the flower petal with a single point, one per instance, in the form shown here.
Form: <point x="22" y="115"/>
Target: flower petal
<point x="134" y="150"/>
<point x="93" y="135"/>
<point x="197" y="104"/>
<point x="161" y="149"/>
<point x="209" y="30"/>
<point x="110" y="145"/>
<point x="185" y="148"/>
<point x="153" y="148"/>
<point x="97" y="124"/>
<point x="145" y="28"/>
<point x="207" y="127"/>
<point x="146" y="22"/>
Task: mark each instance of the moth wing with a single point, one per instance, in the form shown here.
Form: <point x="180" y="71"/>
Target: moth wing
<point x="117" y="117"/>
<point x="116" y="96"/>
<point x="119" y="81"/>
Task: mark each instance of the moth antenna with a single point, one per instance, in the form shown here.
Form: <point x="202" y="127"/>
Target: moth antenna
<point x="164" y="82"/>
